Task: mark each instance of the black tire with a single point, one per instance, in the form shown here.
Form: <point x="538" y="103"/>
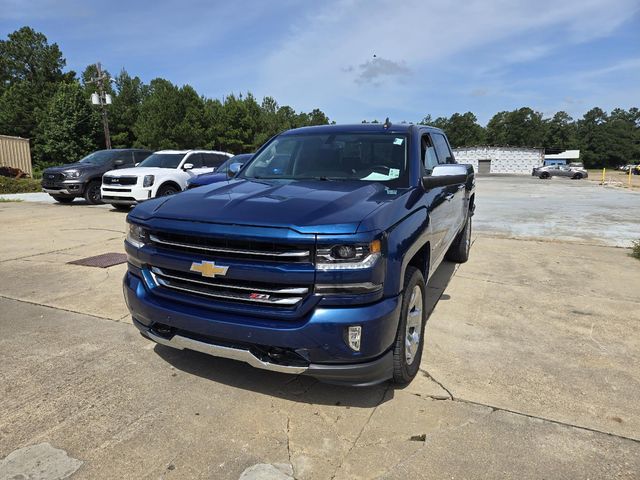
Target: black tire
<point x="165" y="190"/>
<point x="92" y="193"/>
<point x="459" y="250"/>
<point x="61" y="199"/>
<point x="404" y="370"/>
<point x="545" y="175"/>
<point x="120" y="207"/>
<point x="577" y="176"/>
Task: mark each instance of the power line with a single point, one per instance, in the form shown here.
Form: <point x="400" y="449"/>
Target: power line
<point x="101" y="98"/>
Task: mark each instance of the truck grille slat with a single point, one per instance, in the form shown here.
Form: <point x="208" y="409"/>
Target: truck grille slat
<point x="223" y="247"/>
<point x="229" y="290"/>
<point x="106" y="180"/>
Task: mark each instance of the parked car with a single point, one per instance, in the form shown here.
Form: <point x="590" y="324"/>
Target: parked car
<point x="83" y="178"/>
<point x="220" y="174"/>
<point x="163" y="173"/>
<point x="560" y="171"/>
<point x="313" y="259"/>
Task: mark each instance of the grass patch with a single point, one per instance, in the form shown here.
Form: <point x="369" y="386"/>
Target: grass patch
<point x="635" y="249"/>
<point x="19" y="185"/>
<point x="10" y="200"/>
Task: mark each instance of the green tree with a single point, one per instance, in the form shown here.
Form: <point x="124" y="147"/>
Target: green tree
<point x="68" y="127"/>
<point x="463" y="130"/>
<point x="560" y="131"/>
<point x="123" y="113"/>
<point x="30" y="71"/>
<point x="171" y="117"/>
<point x="519" y="128"/>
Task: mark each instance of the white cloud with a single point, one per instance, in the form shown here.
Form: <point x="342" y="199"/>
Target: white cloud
<point x="316" y="61"/>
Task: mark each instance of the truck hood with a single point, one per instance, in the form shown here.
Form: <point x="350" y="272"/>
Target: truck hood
<point x="313" y="206"/>
<point x="82" y="167"/>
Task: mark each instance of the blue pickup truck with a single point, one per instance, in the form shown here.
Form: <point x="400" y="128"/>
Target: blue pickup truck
<point x="313" y="258"/>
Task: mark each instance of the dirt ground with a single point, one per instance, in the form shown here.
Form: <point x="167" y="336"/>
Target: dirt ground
<point x="531" y="367"/>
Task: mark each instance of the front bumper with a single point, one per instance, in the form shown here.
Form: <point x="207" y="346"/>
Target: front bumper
<point x="317" y="340"/>
<point x="125" y="195"/>
<point x="72" y="188"/>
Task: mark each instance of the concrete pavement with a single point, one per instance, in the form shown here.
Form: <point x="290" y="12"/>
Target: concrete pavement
<point x="531" y="370"/>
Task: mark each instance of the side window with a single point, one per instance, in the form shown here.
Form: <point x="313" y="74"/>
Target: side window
<point x="429" y="158"/>
<point x="213" y="160"/>
<point x="140" y="156"/>
<point x="195" y="159"/>
<point x="442" y="148"/>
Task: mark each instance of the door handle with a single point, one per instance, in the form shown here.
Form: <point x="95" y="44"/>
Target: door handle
<point x="449" y="196"/>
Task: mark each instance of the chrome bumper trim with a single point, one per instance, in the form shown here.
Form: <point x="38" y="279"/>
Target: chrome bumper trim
<point x="62" y="191"/>
<point x="181" y="343"/>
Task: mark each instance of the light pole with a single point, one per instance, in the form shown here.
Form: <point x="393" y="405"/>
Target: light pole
<point x="101" y="98"/>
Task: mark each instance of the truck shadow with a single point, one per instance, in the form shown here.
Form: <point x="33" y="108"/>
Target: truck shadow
<point x="298" y="388"/>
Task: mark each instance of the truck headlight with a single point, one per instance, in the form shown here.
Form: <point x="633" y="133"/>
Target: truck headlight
<point x="348" y="256"/>
<point x="137" y="235"/>
<point x="71" y="174"/>
<point x="148" y="180"/>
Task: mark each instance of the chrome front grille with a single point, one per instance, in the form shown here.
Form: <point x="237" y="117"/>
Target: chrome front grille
<point x="230" y="290"/>
<point x="233" y="248"/>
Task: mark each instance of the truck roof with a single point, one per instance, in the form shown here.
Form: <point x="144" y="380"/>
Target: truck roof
<point x="359" y="128"/>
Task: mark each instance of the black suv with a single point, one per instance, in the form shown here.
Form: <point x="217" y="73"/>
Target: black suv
<point x="83" y="178"/>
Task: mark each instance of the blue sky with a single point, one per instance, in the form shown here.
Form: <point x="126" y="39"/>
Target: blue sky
<point x="430" y="56"/>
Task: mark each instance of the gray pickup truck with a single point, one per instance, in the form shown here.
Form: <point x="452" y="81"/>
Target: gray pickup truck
<point x="84" y="178"/>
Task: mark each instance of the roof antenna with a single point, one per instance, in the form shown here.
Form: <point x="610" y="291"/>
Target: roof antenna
<point x="387" y="123"/>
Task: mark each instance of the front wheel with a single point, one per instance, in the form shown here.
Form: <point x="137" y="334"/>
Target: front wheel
<point x="459" y="250"/>
<point x="165" y="190"/>
<point x="92" y="193"/>
<point x="544" y="175"/>
<point x="577" y="176"/>
<point x="407" y="349"/>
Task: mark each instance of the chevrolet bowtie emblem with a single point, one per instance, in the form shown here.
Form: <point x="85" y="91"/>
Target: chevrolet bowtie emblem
<point x="208" y="269"/>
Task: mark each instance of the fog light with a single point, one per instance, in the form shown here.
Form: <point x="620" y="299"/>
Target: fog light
<point x="354" y="334"/>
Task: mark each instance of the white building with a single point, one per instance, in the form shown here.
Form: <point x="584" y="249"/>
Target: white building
<point x="500" y="159"/>
<point x="562" y="158"/>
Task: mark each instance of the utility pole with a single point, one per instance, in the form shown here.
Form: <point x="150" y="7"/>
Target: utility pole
<point x="101" y="98"/>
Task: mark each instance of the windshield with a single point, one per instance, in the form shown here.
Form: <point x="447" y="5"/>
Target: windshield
<point x="241" y="158"/>
<point x="379" y="157"/>
<point x="162" y="160"/>
<point x="100" y="157"/>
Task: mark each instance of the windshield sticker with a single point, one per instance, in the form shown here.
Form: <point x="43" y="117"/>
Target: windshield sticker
<point x="398" y="141"/>
<point x="394" y="172"/>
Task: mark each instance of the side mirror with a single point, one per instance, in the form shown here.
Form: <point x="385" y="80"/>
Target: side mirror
<point x="447" y="174"/>
<point x="118" y="163"/>
<point x="233" y="170"/>
<point x="187" y="166"/>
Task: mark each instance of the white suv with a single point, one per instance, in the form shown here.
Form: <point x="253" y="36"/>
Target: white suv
<point x="163" y="173"/>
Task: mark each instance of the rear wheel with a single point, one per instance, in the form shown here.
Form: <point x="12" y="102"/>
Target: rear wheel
<point x="459" y="250"/>
<point x="120" y="207"/>
<point x="92" y="193"/>
<point x="407" y="349"/>
<point x="165" y="190"/>
<point x="577" y="176"/>
<point x="61" y="199"/>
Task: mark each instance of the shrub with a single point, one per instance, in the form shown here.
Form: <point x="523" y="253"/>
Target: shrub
<point x="635" y="249"/>
<point x="19" y="185"/>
